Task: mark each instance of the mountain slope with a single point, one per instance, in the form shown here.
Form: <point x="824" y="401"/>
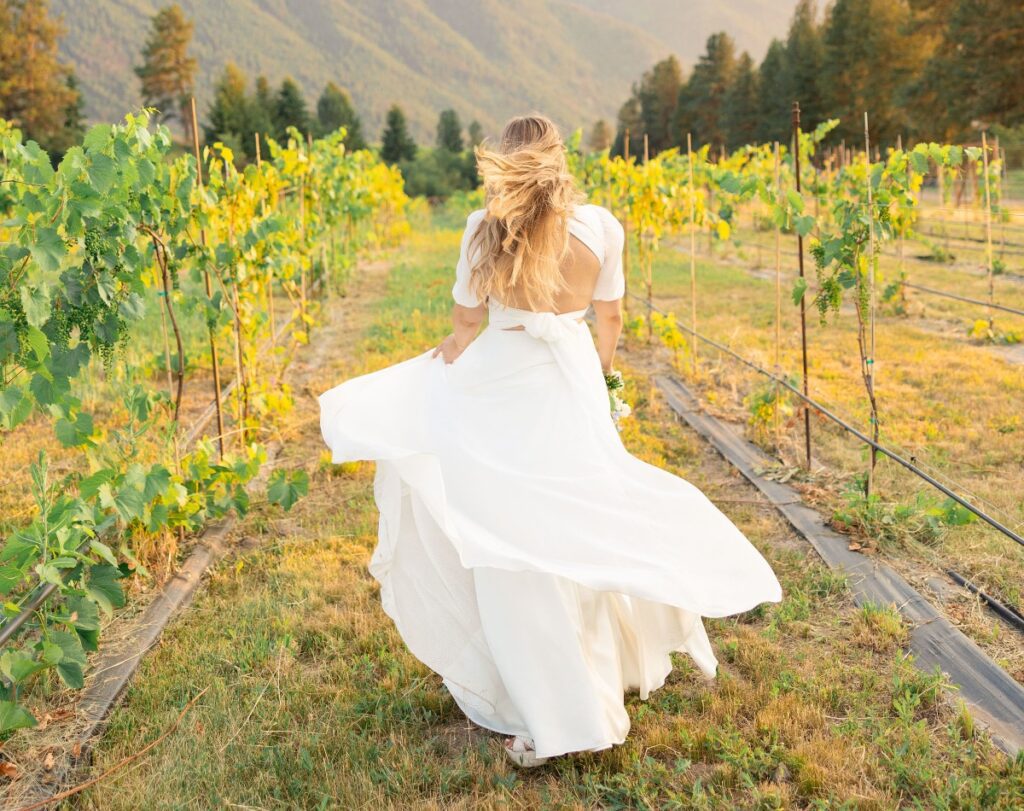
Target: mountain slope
<point x="488" y="59"/>
<point x="684" y="25"/>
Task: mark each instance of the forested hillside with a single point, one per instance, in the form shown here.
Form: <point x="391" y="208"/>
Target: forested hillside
<point x="486" y="59"/>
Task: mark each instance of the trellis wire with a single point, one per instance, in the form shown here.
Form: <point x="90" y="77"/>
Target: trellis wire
<point x="825" y="412"/>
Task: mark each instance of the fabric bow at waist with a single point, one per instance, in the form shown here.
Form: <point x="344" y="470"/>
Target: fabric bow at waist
<point x="546" y="326"/>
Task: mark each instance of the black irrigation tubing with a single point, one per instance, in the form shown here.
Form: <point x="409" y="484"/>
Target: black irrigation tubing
<point x="1007" y="612"/>
<point x="974" y="244"/>
<point x="944" y="294"/>
<point x="970" y="223"/>
<point x="883" y="254"/>
<point x="988" y="519"/>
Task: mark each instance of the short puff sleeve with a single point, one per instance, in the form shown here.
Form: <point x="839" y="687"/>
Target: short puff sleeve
<point x="462" y="292"/>
<point x="611" y="282"/>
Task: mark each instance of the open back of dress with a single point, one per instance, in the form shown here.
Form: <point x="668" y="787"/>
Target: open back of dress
<point x="524" y="554"/>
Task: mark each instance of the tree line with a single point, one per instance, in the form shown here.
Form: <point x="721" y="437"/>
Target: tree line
<point x="922" y="69"/>
<point x="38" y="93"/>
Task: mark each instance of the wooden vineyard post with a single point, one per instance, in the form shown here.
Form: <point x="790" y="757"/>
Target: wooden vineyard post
<point x="693" y="252"/>
<point x="803" y="299"/>
<point x="999" y="154"/>
<point x="988" y="229"/>
<point x="648" y="270"/>
<point x="214" y="365"/>
<point x="167" y="340"/>
<point x="305" y="243"/>
<point x="778" y="296"/>
<point x="868" y="356"/>
<point x="902" y="246"/>
<point x="940" y="176"/>
<point x="270" y="270"/>
<point x="241" y="382"/>
<point x="625" y="225"/>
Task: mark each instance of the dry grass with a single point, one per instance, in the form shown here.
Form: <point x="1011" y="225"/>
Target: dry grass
<point x="950" y="403"/>
<point x="314" y="701"/>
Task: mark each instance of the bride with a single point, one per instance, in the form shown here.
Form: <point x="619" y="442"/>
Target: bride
<point x="524" y="555"/>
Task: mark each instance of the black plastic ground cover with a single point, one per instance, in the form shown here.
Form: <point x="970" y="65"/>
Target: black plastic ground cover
<point x="994" y="699"/>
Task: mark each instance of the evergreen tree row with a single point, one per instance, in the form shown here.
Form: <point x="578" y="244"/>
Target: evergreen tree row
<point x="920" y="68"/>
<point x="235" y="115"/>
<point x="448" y="167"/>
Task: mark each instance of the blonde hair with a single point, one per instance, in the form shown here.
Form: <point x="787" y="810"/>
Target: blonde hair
<point x="524" y="235"/>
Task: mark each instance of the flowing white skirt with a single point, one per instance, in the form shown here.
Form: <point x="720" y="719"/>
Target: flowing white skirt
<point x="524" y="555"/>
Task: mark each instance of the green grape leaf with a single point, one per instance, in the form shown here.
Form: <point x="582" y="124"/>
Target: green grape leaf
<point x="804" y="224"/>
<point x="90" y="485"/>
<point x="127" y="502"/>
<point x="15" y="407"/>
<point x="18" y="666"/>
<point x="157" y="481"/>
<point x="67" y="363"/>
<point x="103" y="551"/>
<point x="38" y="342"/>
<point x="102" y="172"/>
<point x="83" y="616"/>
<point x="799" y="289"/>
<point x="35" y="302"/>
<point x="73" y="434"/>
<point x="157" y="518"/>
<point x="48" y="249"/>
<point x="285" y="489"/>
<point x="97" y="137"/>
<point x="9" y="344"/>
<point x="72" y="658"/>
<point x="10" y="577"/>
<point x="13" y="716"/>
<point x="919" y="162"/>
<point x="103" y="588"/>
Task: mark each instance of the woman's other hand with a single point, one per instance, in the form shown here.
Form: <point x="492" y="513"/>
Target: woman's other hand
<point x="449" y="349"/>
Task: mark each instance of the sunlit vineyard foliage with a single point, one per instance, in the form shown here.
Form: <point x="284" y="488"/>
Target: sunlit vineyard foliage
<point x="123" y="253"/>
<point x="847" y="213"/>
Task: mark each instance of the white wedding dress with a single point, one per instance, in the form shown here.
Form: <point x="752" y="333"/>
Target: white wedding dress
<point x="524" y="555"/>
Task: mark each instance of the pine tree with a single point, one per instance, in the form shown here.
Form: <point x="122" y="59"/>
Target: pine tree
<point x="264" y="95"/>
<point x="260" y="118"/>
<point x="230" y="117"/>
<point x="476" y="133"/>
<point x="871" y="59"/>
<point x="290" y="110"/>
<point x="739" y="111"/>
<point x="334" y="110"/>
<point x="774" y="103"/>
<point x="658" y="94"/>
<point x="35" y="92"/>
<point x="976" y="72"/>
<point x="600" y="137"/>
<point x="629" y="120"/>
<point x="805" y="57"/>
<point x="167" y="71"/>
<point x="699" y="109"/>
<point x="396" y="143"/>
<point x="449" y="132"/>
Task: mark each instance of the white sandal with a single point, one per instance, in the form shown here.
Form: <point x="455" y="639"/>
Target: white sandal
<point x="521" y="752"/>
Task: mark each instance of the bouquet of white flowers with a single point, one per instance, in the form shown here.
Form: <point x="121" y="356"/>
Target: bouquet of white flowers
<point x="620" y="408"/>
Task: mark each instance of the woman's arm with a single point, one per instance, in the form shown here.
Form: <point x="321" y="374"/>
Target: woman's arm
<point x="608" y="315"/>
<point x="466" y="323"/>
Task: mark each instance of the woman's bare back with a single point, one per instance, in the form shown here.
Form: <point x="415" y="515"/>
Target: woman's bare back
<point x="580" y="269"/>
